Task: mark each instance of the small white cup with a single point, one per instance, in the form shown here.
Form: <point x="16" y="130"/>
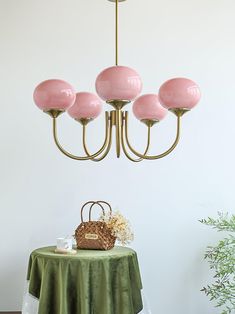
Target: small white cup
<point x="64" y="244"/>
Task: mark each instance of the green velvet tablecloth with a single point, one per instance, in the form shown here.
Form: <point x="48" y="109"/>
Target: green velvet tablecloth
<point x="90" y="282"/>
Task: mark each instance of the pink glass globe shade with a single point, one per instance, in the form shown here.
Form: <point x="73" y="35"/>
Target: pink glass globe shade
<point x="118" y="83"/>
<point x="148" y="107"/>
<point x="54" y="94"/>
<point x="87" y="105"/>
<point x="179" y="93"/>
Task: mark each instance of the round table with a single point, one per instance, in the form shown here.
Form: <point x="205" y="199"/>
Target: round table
<point x="89" y="282"/>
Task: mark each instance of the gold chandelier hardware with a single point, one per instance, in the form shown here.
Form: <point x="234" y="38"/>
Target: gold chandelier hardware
<point x="179" y="111"/>
<point x="54" y="113"/>
<point x="118" y="120"/>
<point x="84" y="121"/>
<point x="118" y="103"/>
<point x="149" y="122"/>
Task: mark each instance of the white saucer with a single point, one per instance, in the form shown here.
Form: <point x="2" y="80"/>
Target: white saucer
<point x="61" y="251"/>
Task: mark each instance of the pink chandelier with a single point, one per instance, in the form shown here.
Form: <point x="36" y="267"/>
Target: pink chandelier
<point x="117" y="86"/>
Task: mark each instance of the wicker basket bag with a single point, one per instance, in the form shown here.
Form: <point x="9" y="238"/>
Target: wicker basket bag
<point x="94" y="235"/>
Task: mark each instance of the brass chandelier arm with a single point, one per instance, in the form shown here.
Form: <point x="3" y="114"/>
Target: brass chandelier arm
<point x="108" y="145"/>
<point x="66" y="153"/>
<point x="153" y="157"/>
<point x="107" y="135"/>
<point x="124" y="146"/>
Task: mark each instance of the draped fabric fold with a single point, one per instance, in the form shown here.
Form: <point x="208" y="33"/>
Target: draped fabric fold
<point x="90" y="282"/>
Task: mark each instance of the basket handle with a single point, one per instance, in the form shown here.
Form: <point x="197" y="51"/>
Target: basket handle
<point x="92" y="204"/>
<point x="103" y="210"/>
<point x="96" y="203"/>
<point x="106" y="203"/>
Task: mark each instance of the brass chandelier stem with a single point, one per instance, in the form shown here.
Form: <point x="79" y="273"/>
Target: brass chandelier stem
<point x="116" y="32"/>
<point x="153" y="157"/>
<point x="118" y="131"/>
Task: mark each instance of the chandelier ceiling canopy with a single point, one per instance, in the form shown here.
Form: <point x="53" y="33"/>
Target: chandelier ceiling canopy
<point x="117" y="86"/>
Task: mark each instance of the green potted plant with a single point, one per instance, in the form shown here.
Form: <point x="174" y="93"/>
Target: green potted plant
<point x="221" y="259"/>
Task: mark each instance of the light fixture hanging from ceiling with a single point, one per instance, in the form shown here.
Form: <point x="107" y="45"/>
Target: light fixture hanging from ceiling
<point x="117" y="86"/>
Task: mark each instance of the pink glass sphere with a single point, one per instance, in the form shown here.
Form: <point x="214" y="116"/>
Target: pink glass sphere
<point x="179" y="93"/>
<point x="118" y="83"/>
<point x="54" y="94"/>
<point x="148" y="107"/>
<point x="87" y="105"/>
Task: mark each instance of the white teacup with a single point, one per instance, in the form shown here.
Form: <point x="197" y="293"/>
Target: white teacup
<point x="64" y="244"/>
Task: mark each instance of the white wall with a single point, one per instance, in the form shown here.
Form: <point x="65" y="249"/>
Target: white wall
<point x="42" y="191"/>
